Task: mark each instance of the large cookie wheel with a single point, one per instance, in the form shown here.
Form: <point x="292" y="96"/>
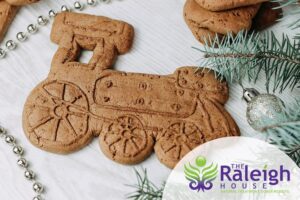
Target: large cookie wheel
<point x="176" y="141"/>
<point x="125" y="140"/>
<point x="56" y="117"/>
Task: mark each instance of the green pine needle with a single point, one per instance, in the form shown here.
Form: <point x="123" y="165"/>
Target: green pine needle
<point x="247" y="55"/>
<point x="295" y="5"/>
<point x="145" y="189"/>
<point x="287" y="135"/>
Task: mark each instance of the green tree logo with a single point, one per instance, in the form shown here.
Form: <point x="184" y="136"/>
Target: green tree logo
<point x="200" y="175"/>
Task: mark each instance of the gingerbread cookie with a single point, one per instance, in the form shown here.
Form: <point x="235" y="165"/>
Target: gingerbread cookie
<point x="221" y="5"/>
<point x="132" y="114"/>
<point x="204" y="35"/>
<point x="265" y="17"/>
<point x="219" y="22"/>
<point x="7" y="14"/>
<point x="8" y="10"/>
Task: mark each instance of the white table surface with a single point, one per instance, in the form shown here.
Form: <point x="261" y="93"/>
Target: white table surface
<point x="162" y="43"/>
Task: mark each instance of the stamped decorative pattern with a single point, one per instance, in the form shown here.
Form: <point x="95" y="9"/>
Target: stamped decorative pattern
<point x="126" y="136"/>
<point x="180" y="138"/>
<point x="133" y="114"/>
<point x="59" y="109"/>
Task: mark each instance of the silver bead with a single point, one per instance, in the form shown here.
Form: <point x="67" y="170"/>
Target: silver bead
<point x="2" y="53"/>
<point x="29" y="175"/>
<point x="22" y="162"/>
<point x="18" y="150"/>
<point x="91" y="2"/>
<point x="64" y="8"/>
<point x="9" y="139"/>
<point x="21" y="36"/>
<point x="38" y="197"/>
<point x="42" y="21"/>
<point x="2" y="132"/>
<point x="37" y="187"/>
<point x="10" y="45"/>
<point x="32" y="28"/>
<point x="104" y="1"/>
<point x="52" y="13"/>
<point x="77" y="5"/>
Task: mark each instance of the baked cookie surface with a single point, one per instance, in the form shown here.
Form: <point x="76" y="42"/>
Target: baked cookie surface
<point x="7" y="14"/>
<point x="8" y="10"/>
<point x="221" y="5"/>
<point x="219" y="22"/>
<point x="133" y="114"/>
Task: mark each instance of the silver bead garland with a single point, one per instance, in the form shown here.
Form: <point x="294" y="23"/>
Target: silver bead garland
<point x="23" y="163"/>
<point x="10" y="45"/>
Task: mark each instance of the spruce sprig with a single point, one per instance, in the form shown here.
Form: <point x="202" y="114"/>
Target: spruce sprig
<point x="287" y="135"/>
<point x="145" y="189"/>
<point x="247" y="55"/>
<point x="295" y="4"/>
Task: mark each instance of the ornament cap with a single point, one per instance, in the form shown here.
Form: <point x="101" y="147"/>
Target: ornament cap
<point x="249" y="94"/>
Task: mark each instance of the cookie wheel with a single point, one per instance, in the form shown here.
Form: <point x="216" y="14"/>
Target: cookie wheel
<point x="56" y="117"/>
<point x="176" y="141"/>
<point x="126" y="141"/>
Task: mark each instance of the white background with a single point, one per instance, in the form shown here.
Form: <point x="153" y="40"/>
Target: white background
<point x="162" y="43"/>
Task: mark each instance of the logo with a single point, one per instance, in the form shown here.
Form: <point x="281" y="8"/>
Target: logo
<point x="233" y="177"/>
<point x="230" y="168"/>
<point x="201" y="176"/>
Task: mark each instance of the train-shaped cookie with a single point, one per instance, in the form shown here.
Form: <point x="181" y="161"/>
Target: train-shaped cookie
<point x="133" y="114"/>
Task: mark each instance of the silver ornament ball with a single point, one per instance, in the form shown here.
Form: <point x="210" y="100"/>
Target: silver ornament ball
<point x="22" y="162"/>
<point x="104" y="1"/>
<point x="10" y="45"/>
<point x="37" y="187"/>
<point x="42" y="21"/>
<point x="38" y="197"/>
<point x="9" y="139"/>
<point x="21" y="36"/>
<point x="2" y="53"/>
<point x="264" y="110"/>
<point x="31" y="28"/>
<point x="2" y="132"/>
<point x="18" y="150"/>
<point x="29" y="175"/>
<point x="64" y="8"/>
<point x="91" y="2"/>
<point x="77" y="5"/>
<point x="52" y="13"/>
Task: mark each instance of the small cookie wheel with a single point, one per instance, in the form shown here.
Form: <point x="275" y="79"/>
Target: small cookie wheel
<point x="126" y="141"/>
<point x="176" y="141"/>
<point x="56" y="117"/>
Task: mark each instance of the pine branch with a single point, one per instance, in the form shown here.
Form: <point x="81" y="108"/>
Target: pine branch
<point x="246" y="55"/>
<point x="287" y="135"/>
<point x="295" y="4"/>
<point x="285" y="3"/>
<point x="145" y="189"/>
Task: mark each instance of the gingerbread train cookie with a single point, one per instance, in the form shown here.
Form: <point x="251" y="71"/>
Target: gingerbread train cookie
<point x="132" y="114"/>
<point x="8" y="10"/>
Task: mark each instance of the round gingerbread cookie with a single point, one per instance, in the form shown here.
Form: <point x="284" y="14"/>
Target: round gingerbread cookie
<point x="222" y="22"/>
<point x="217" y="5"/>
